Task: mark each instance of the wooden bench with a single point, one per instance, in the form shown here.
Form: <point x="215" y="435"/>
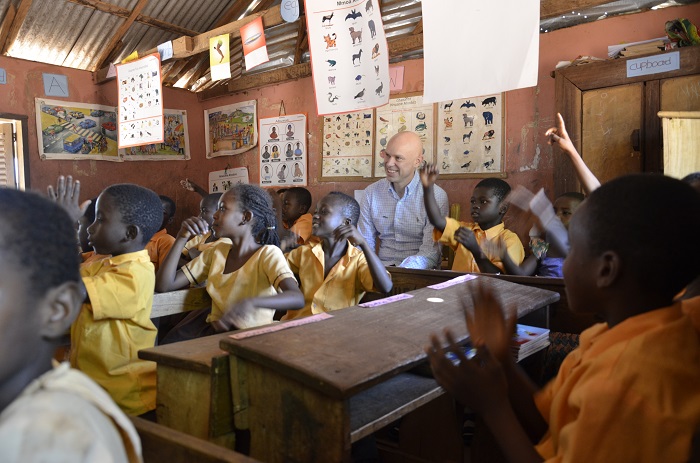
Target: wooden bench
<point x="163" y="444"/>
<point x="183" y="300"/>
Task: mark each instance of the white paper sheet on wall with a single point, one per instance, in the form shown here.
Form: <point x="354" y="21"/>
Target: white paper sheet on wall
<point x="479" y="48"/>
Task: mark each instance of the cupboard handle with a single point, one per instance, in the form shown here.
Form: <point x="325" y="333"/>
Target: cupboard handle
<point x="635" y="140"/>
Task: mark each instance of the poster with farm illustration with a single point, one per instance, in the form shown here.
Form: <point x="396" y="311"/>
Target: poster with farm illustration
<point x="230" y="129"/>
<point x="76" y="131"/>
<point x="175" y="145"/>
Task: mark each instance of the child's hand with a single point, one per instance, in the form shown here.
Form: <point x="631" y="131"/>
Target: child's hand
<point x="193" y="226"/>
<point x="479" y="383"/>
<point x="67" y="195"/>
<point x="186" y="184"/>
<point x="428" y="174"/>
<point x="288" y="241"/>
<point x="487" y="324"/>
<point x="496" y="247"/>
<point x="558" y="135"/>
<point x="348" y="231"/>
<point x="466" y="238"/>
<point x="226" y="322"/>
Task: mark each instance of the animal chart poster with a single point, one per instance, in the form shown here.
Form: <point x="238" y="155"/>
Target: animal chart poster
<point x="349" y="55"/>
<point x="283" y="159"/>
<point x="230" y="129"/>
<point x="140" y="102"/>
<point x="401" y="114"/>
<point x="470" y="135"/>
<point x="76" y="131"/>
<point x="347" y="146"/>
<point x="175" y="145"/>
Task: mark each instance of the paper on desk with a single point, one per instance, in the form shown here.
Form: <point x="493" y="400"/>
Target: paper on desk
<point x="281" y="326"/>
<point x="479" y="48"/>
<point x="386" y="300"/>
<point x="452" y="282"/>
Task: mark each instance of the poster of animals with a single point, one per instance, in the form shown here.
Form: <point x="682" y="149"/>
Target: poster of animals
<point x="283" y="159"/>
<point x="175" y="145"/>
<point x="230" y="129"/>
<point x="407" y="112"/>
<point x="347" y="146"/>
<point x="349" y="55"/>
<point x="76" y="131"/>
<point x="470" y="136"/>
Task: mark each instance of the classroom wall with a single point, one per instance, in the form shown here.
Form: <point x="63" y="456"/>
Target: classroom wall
<point x="529" y="112"/>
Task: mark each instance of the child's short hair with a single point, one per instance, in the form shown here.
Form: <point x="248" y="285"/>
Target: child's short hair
<point x="302" y="194"/>
<point x="500" y="188"/>
<point x="211" y="201"/>
<point x="573" y="195"/>
<point x="90" y="211"/>
<point x="692" y="178"/>
<point x="171" y="205"/>
<point x="258" y="201"/>
<point x="138" y="206"/>
<point x="351" y="208"/>
<point x="624" y="215"/>
<point x="41" y="237"/>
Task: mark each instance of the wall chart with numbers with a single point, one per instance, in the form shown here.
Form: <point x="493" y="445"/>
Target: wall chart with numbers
<point x="347" y="146"/>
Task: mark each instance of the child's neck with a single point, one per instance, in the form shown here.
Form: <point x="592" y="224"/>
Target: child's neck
<point x="486" y="225"/>
<point x="243" y="245"/>
<point x="290" y="222"/>
<point x="632" y="303"/>
<point x="333" y="247"/>
<point x="36" y="367"/>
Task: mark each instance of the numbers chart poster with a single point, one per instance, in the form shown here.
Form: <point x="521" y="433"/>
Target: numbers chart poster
<point x="470" y="135"/>
<point x="347" y="145"/>
<point x="349" y="55"/>
<point x="140" y="102"/>
<point x="283" y="158"/>
<point x="401" y="114"/>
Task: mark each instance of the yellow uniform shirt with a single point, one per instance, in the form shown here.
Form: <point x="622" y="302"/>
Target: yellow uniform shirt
<point x="628" y="393"/>
<point x="344" y="286"/>
<point x="199" y="242"/>
<point x="114" y="326"/>
<point x="90" y="257"/>
<point x="302" y="227"/>
<point x="464" y="260"/>
<point x="159" y="247"/>
<point x="259" y="276"/>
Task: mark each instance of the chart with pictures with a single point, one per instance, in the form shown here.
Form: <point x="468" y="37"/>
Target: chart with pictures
<point x="470" y="135"/>
<point x="405" y="113"/>
<point x="347" y="145"/>
<point x="283" y="158"/>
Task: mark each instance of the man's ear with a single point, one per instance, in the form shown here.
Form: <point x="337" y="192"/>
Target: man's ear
<point x="608" y="269"/>
<point x="59" y="308"/>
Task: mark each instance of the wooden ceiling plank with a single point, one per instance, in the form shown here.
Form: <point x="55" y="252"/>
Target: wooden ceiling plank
<point x="7" y="23"/>
<point x="17" y="21"/>
<point x="124" y="13"/>
<point x="553" y="8"/>
<point x="302" y="38"/>
<point x="121" y="32"/>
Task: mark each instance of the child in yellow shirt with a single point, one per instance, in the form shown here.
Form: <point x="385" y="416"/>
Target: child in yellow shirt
<point x="207" y="208"/>
<point x="336" y="269"/>
<point x="296" y="203"/>
<point x="475" y="244"/>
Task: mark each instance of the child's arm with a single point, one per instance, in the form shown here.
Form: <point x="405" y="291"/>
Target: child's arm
<point x="169" y="278"/>
<point x="560" y="136"/>
<point x="380" y="277"/>
<point x="542" y="211"/>
<point x="290" y="298"/>
<point x="527" y="268"/>
<point x="428" y="175"/>
<point x="188" y="184"/>
<point x="466" y="238"/>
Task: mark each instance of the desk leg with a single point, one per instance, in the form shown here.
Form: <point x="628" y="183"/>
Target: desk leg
<point x="290" y="422"/>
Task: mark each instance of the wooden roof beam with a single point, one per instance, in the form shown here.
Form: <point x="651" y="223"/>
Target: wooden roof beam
<point x="7" y="24"/>
<point x="119" y="35"/>
<point x="124" y="13"/>
<point x="553" y="8"/>
<point x="17" y="21"/>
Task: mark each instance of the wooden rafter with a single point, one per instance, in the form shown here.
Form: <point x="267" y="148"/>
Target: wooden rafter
<point x="554" y="8"/>
<point x="17" y="21"/>
<point x="124" y="13"/>
<point x="302" y="42"/>
<point x="120" y="33"/>
<point x="7" y="23"/>
<point x="418" y="29"/>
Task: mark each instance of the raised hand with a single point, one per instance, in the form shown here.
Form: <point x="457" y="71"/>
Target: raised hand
<point x="193" y="226"/>
<point x="428" y="174"/>
<point x="559" y="136"/>
<point x="67" y="195"/>
<point x="487" y="323"/>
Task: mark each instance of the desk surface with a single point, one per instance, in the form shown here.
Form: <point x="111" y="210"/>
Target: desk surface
<point x="361" y="347"/>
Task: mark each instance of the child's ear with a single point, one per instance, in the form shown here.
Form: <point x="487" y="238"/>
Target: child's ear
<point x="304" y="209"/>
<point x="503" y="208"/>
<point x="247" y="216"/>
<point x="608" y="268"/>
<point x="59" y="307"/>
<point x="132" y="232"/>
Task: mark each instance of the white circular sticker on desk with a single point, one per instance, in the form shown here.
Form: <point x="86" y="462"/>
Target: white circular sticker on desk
<point x="435" y="299"/>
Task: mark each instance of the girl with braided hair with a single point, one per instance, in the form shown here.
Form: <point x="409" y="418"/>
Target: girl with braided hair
<point x="247" y="278"/>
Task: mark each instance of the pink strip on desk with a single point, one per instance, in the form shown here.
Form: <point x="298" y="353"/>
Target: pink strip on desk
<point x="281" y="326"/>
<point x="386" y="300"/>
<point x="452" y="282"/>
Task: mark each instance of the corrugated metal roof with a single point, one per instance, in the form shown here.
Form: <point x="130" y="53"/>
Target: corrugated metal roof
<point x="67" y="33"/>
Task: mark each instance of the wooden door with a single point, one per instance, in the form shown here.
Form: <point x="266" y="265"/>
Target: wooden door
<point x="681" y="93"/>
<point x="611" y="126"/>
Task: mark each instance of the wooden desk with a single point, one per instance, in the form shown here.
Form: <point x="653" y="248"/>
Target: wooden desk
<point x="307" y="393"/>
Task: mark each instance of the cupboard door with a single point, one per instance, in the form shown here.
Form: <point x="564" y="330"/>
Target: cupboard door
<point x="681" y="93"/>
<point x="611" y="130"/>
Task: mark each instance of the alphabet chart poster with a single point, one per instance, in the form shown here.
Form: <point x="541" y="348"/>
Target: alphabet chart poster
<point x="140" y="102"/>
<point x="407" y="112"/>
<point x="347" y="146"/>
<point x="283" y="159"/>
<point x="349" y="55"/>
<point x="470" y="136"/>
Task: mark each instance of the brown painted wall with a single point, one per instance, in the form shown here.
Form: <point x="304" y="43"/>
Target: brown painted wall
<point x="529" y="112"/>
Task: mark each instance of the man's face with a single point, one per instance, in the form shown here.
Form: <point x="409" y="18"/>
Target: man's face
<point x="401" y="158"/>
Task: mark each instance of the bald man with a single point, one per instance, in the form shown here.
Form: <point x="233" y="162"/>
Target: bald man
<point x="392" y="211"/>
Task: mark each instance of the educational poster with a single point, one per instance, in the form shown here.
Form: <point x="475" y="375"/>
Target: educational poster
<point x="349" y="55"/>
<point x="221" y="181"/>
<point x="470" y="135"/>
<point x="175" y="145"/>
<point x="347" y="145"/>
<point x="283" y="158"/>
<point x="230" y="129"/>
<point x="140" y="102"/>
<point x="401" y="114"/>
<point x="75" y="131"/>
